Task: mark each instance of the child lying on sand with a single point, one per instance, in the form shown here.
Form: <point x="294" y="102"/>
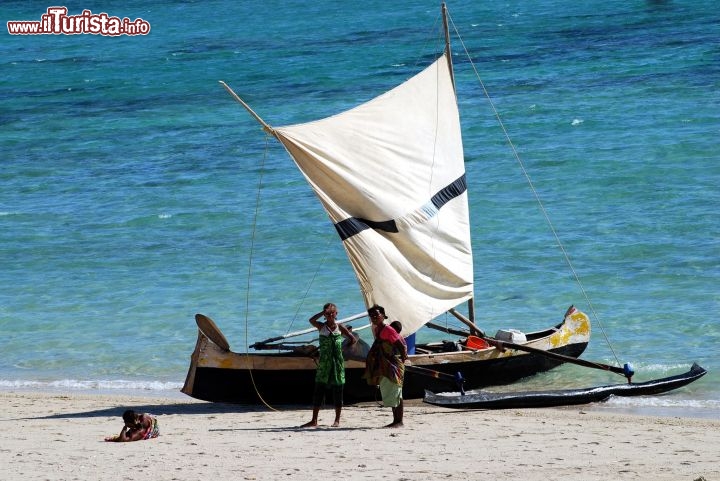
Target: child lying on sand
<point x="137" y="427"/>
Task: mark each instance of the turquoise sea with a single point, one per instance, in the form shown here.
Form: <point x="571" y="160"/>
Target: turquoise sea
<point x="136" y="192"/>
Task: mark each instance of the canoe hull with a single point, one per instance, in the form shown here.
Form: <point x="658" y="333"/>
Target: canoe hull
<point x="220" y="375"/>
<point x="564" y="397"/>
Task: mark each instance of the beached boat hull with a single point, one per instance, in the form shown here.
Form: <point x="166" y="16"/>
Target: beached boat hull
<point x="564" y="397"/>
<point x="220" y="375"/>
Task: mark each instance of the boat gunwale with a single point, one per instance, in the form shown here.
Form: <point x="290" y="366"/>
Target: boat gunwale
<point x="209" y="354"/>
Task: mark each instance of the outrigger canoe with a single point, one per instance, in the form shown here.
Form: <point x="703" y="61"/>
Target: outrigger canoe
<point x="287" y="377"/>
<point x="562" y="397"/>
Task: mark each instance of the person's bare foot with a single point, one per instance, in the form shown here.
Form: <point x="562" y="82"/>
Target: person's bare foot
<point x="309" y="424"/>
<point x="335" y="424"/>
<point x="395" y="425"/>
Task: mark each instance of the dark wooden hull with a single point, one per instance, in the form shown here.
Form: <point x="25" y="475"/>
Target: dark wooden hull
<point x="220" y="375"/>
<point x="565" y="397"/>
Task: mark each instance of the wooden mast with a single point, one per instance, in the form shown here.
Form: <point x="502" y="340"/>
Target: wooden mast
<point x="448" y="57"/>
<point x="448" y="51"/>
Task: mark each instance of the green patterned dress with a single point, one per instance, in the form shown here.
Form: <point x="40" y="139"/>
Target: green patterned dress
<point x="331" y="366"/>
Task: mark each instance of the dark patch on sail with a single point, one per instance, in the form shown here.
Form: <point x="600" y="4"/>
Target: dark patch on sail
<point x="354" y="225"/>
<point x="350" y="227"/>
<point x="449" y="192"/>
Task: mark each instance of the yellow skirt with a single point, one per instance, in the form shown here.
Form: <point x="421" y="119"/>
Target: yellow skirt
<point x="391" y="393"/>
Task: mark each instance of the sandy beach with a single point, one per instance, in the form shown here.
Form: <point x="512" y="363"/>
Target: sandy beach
<point x="53" y="436"/>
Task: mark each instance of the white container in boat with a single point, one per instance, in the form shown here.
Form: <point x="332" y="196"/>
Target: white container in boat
<point x="510" y="335"/>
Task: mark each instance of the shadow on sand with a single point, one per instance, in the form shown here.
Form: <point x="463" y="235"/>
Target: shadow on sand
<point x="169" y="408"/>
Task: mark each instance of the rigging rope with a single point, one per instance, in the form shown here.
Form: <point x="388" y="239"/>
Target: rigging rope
<point x="312" y="280"/>
<point x="535" y="193"/>
<point x="249" y="275"/>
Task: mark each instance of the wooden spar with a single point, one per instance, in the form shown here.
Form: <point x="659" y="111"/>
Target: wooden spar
<point x="423" y="371"/>
<point x="560" y="357"/>
<point x="307" y="331"/>
<point x="520" y="347"/>
<point x="448" y="51"/>
<point x="265" y="125"/>
<point x="456" y="381"/>
<point x="473" y="328"/>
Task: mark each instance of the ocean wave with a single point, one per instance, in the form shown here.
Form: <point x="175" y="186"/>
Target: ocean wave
<point x="665" y="406"/>
<point x="99" y="385"/>
<point x="663" y="402"/>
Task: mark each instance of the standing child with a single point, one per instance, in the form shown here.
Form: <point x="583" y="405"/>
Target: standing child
<point x="330" y="374"/>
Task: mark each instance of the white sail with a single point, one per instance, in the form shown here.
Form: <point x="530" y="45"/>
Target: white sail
<point x="390" y="174"/>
